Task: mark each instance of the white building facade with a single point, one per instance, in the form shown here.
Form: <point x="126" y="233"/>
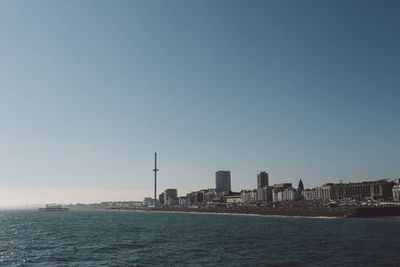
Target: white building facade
<point x="396" y="192"/>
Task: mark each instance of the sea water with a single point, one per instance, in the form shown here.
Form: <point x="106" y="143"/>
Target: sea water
<point x="128" y="238"/>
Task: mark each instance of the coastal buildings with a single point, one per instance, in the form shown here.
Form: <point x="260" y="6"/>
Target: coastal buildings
<point x="278" y="192"/>
<point x="248" y="196"/>
<point x="161" y="198"/>
<point x="300" y="189"/>
<point x="263" y="194"/>
<point x="286" y="192"/>
<point x="195" y="198"/>
<point x="148" y="201"/>
<point x="182" y="201"/>
<point x="122" y="204"/>
<point x="223" y="181"/>
<point x="325" y="192"/>
<point x="109" y="205"/>
<point x="376" y="190"/>
<point x="396" y="192"/>
<point x="170" y="197"/>
<point x="210" y="196"/>
<point x="221" y="195"/>
<point x="380" y="190"/>
<point x="262" y="180"/>
<point x="393" y="180"/>
<point x="199" y="198"/>
<point x="307" y="194"/>
<point x="233" y="199"/>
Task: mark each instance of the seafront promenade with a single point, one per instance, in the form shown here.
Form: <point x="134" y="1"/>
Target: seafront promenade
<point x="303" y="211"/>
<point x="256" y="210"/>
<point x="278" y="211"/>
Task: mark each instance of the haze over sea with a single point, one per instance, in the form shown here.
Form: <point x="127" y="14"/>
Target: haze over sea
<point x="124" y="238"/>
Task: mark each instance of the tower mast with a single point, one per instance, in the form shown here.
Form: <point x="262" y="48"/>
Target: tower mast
<point x="155" y="179"/>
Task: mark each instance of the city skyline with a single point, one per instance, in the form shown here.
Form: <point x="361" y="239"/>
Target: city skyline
<point x="89" y="90"/>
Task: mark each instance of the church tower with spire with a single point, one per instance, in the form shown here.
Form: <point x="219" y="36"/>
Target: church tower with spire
<point x="301" y="186"/>
<point x="300" y="189"/>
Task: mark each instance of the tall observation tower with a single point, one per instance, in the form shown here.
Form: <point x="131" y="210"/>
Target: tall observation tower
<point x="155" y="170"/>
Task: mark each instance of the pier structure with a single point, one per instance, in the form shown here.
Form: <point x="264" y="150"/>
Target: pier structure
<point x="155" y="179"/>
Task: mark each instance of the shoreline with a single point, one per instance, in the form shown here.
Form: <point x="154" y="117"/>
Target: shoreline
<point x="311" y="212"/>
<point x="235" y="214"/>
<point x="256" y="211"/>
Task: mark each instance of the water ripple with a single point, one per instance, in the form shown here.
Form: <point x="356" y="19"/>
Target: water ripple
<point x="104" y="238"/>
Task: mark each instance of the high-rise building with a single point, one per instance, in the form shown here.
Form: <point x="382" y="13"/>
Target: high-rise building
<point x="170" y="196"/>
<point x="262" y="180"/>
<point x="223" y="181"/>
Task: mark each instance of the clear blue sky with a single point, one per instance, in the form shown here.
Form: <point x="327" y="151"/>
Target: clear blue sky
<point x="89" y="90"/>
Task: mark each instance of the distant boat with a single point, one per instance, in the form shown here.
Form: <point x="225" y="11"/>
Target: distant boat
<point x="54" y="207"/>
